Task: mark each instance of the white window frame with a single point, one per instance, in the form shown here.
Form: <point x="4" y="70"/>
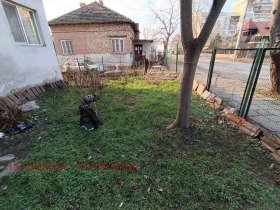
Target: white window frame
<point x="117" y="43"/>
<point x="71" y="46"/>
<point x="21" y="24"/>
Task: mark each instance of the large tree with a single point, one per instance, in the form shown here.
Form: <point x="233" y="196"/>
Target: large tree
<point x="192" y="49"/>
<point x="275" y="42"/>
<point x="168" y="20"/>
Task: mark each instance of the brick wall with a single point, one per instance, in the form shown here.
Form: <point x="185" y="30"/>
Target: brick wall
<point x="92" y="39"/>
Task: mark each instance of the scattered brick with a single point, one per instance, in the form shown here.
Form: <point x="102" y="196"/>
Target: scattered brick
<point x="271" y="142"/>
<point x="249" y="128"/>
<point x="200" y="89"/>
<point x="225" y="110"/>
<point x="214" y="104"/>
<point x="205" y="94"/>
<point x="233" y="118"/>
<point x="243" y="125"/>
<point x="212" y="96"/>
<point x="195" y="85"/>
<point x="218" y="100"/>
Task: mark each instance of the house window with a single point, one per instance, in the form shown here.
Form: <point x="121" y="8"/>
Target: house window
<point x="117" y="45"/>
<point x="258" y="39"/>
<point x="67" y="47"/>
<point x="23" y="24"/>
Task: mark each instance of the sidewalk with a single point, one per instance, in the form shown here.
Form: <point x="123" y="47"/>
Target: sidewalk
<point x="264" y="111"/>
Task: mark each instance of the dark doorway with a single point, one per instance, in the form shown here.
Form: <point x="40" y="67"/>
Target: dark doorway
<point x="138" y="50"/>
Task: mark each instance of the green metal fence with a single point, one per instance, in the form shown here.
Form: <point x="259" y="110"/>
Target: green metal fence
<point x="242" y="80"/>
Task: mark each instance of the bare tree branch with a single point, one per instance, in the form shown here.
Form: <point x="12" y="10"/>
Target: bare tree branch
<point x="210" y="21"/>
<point x="186" y="18"/>
<point x="199" y="6"/>
<point x="168" y="20"/>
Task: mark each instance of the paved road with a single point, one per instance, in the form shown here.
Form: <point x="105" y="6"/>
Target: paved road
<point x="235" y="69"/>
<point x="229" y="82"/>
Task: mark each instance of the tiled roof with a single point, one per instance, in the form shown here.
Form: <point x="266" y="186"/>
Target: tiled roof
<point x="91" y="13"/>
<point x="263" y="27"/>
<point x="250" y="25"/>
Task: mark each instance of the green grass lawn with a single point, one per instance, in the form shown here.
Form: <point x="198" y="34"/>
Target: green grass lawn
<point x="209" y="166"/>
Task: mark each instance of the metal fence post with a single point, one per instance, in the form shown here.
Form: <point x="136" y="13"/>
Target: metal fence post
<point x="177" y="58"/>
<point x="211" y="69"/>
<point x="251" y="83"/>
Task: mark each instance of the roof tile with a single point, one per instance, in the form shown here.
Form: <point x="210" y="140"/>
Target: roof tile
<point x="91" y="13"/>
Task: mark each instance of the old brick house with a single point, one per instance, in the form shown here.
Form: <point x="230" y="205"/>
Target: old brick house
<point x="98" y="33"/>
<point x="255" y="34"/>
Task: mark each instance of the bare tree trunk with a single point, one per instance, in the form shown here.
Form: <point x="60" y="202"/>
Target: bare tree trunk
<point x="275" y="72"/>
<point x="275" y="42"/>
<point x="192" y="49"/>
<point x="184" y="112"/>
<point x="165" y="54"/>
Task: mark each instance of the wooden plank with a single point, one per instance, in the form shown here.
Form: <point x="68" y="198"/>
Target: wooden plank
<point x="30" y="92"/>
<point x="64" y="83"/>
<point x="58" y="83"/>
<point x="27" y="95"/>
<point x="2" y="101"/>
<point x="42" y="88"/>
<point x="34" y="91"/>
<point x="38" y="90"/>
<point x="20" y="97"/>
<point x="53" y="86"/>
<point x="15" y="99"/>
<point x="9" y="102"/>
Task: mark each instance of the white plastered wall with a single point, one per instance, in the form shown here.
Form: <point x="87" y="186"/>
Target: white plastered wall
<point x="22" y="65"/>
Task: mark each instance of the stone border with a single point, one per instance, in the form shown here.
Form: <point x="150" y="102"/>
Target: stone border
<point x="270" y="141"/>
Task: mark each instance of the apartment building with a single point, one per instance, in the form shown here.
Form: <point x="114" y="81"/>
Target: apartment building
<point x="256" y="10"/>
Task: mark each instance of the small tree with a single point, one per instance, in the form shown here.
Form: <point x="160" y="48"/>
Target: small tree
<point x="275" y="42"/>
<point x="192" y="49"/>
<point x="168" y="19"/>
<point x="215" y="42"/>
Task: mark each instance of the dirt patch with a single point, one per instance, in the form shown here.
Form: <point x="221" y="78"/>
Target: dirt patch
<point x="16" y="146"/>
<point x="131" y="100"/>
<point x="19" y="145"/>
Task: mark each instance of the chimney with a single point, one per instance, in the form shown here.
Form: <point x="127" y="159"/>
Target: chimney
<point x="101" y="2"/>
<point x="137" y="32"/>
<point x="82" y="4"/>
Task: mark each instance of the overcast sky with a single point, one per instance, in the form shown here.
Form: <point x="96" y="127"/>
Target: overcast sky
<point x="137" y="10"/>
